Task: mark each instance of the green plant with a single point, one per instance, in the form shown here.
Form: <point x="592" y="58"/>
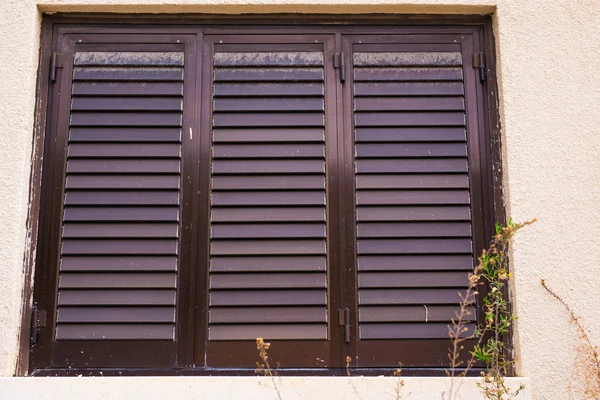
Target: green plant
<point x="490" y="348"/>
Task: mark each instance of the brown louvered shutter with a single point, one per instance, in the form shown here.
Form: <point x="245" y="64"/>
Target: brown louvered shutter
<point x="415" y="178"/>
<point x="320" y="187"/>
<point x="120" y="113"/>
<point x="268" y="233"/>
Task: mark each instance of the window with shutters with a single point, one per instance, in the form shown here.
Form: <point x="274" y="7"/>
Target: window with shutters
<point x="324" y="187"/>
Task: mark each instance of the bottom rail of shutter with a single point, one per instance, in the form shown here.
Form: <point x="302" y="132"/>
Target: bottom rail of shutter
<point x="413" y="353"/>
<point x="282" y="354"/>
<point x="113" y="354"/>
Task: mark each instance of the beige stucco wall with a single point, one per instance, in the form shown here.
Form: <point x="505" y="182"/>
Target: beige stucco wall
<point x="548" y="53"/>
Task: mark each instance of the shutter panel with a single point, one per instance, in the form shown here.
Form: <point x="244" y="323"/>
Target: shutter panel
<point x="413" y="198"/>
<point x="121" y="219"/>
<point x="268" y="239"/>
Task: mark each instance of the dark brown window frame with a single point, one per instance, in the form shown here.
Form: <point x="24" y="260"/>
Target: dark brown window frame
<point x="51" y="25"/>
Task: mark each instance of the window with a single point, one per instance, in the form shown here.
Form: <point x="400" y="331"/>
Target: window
<point x="323" y="187"/>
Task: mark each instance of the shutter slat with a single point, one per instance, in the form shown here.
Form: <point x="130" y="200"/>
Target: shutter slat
<point x="268" y="166"/>
<point x="398" y="59"/>
<point x="409" y="296"/>
<point x="424" y="262"/>
<point x="409" y="104"/>
<point x="119" y="246"/>
<point x="269" y="104"/>
<point x="134" y="166"/>
<point x="85" y="150"/>
<point x="263" y="90"/>
<point x="268" y="281"/>
<point x="116" y="314"/>
<point x="119" y="263"/>
<point x="264" y="214"/>
<point x="99" y="73"/>
<point x="412" y="313"/>
<point x="268" y="151"/>
<point x="124" y="134"/>
<point x="126" y="104"/>
<point x="274" y="247"/>
<point x="392" y="150"/>
<point x="268" y="263"/>
<point x="407" y="89"/>
<point x="268" y="297"/>
<point x="222" y="120"/>
<point x="268" y="182"/>
<point x="266" y="134"/>
<point x="407" y="74"/>
<point x="453" y="181"/>
<point x="411" y="279"/>
<point x="127" y="89"/>
<point x="410" y="213"/>
<point x="122" y="198"/>
<point x="115" y="331"/>
<point x="82" y="118"/>
<point x="268" y="198"/>
<point x="412" y="134"/>
<point x="411" y="197"/>
<point x="427" y="246"/>
<point x="122" y="182"/>
<point x="410" y="165"/>
<point x="126" y="230"/>
<point x="121" y="214"/>
<point x="104" y="280"/>
<point x="409" y="119"/>
<point x="124" y="297"/>
<point x="273" y="231"/>
<point x="265" y="59"/>
<point x="265" y="315"/>
<point x="410" y="331"/>
<point x="131" y="59"/>
<point x="268" y="74"/>
<point x="413" y="229"/>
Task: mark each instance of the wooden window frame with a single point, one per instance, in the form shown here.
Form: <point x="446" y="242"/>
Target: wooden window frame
<point x="54" y="25"/>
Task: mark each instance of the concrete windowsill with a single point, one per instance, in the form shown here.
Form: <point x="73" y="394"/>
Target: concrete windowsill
<point x="221" y="388"/>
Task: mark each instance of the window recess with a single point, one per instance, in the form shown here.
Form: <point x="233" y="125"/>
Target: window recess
<point x="324" y="188"/>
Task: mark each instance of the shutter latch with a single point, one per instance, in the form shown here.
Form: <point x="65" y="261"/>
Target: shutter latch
<point x="344" y="320"/>
<point x="479" y="62"/>
<point x="339" y="63"/>
<point x="38" y="321"/>
<point x="55" y="62"/>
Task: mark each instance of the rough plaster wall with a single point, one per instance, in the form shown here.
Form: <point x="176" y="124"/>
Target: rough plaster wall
<point x="548" y="51"/>
<point x="19" y="31"/>
<point x="550" y="101"/>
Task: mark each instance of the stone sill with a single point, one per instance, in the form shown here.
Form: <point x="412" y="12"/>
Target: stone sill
<point x="223" y="388"/>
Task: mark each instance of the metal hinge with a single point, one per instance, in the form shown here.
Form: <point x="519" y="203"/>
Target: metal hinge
<point x="55" y="62"/>
<point x="344" y="320"/>
<point x="38" y="321"/>
<point x="479" y="62"/>
<point x="339" y="63"/>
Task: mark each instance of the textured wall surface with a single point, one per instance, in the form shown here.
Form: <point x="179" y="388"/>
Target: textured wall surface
<point x="548" y="52"/>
